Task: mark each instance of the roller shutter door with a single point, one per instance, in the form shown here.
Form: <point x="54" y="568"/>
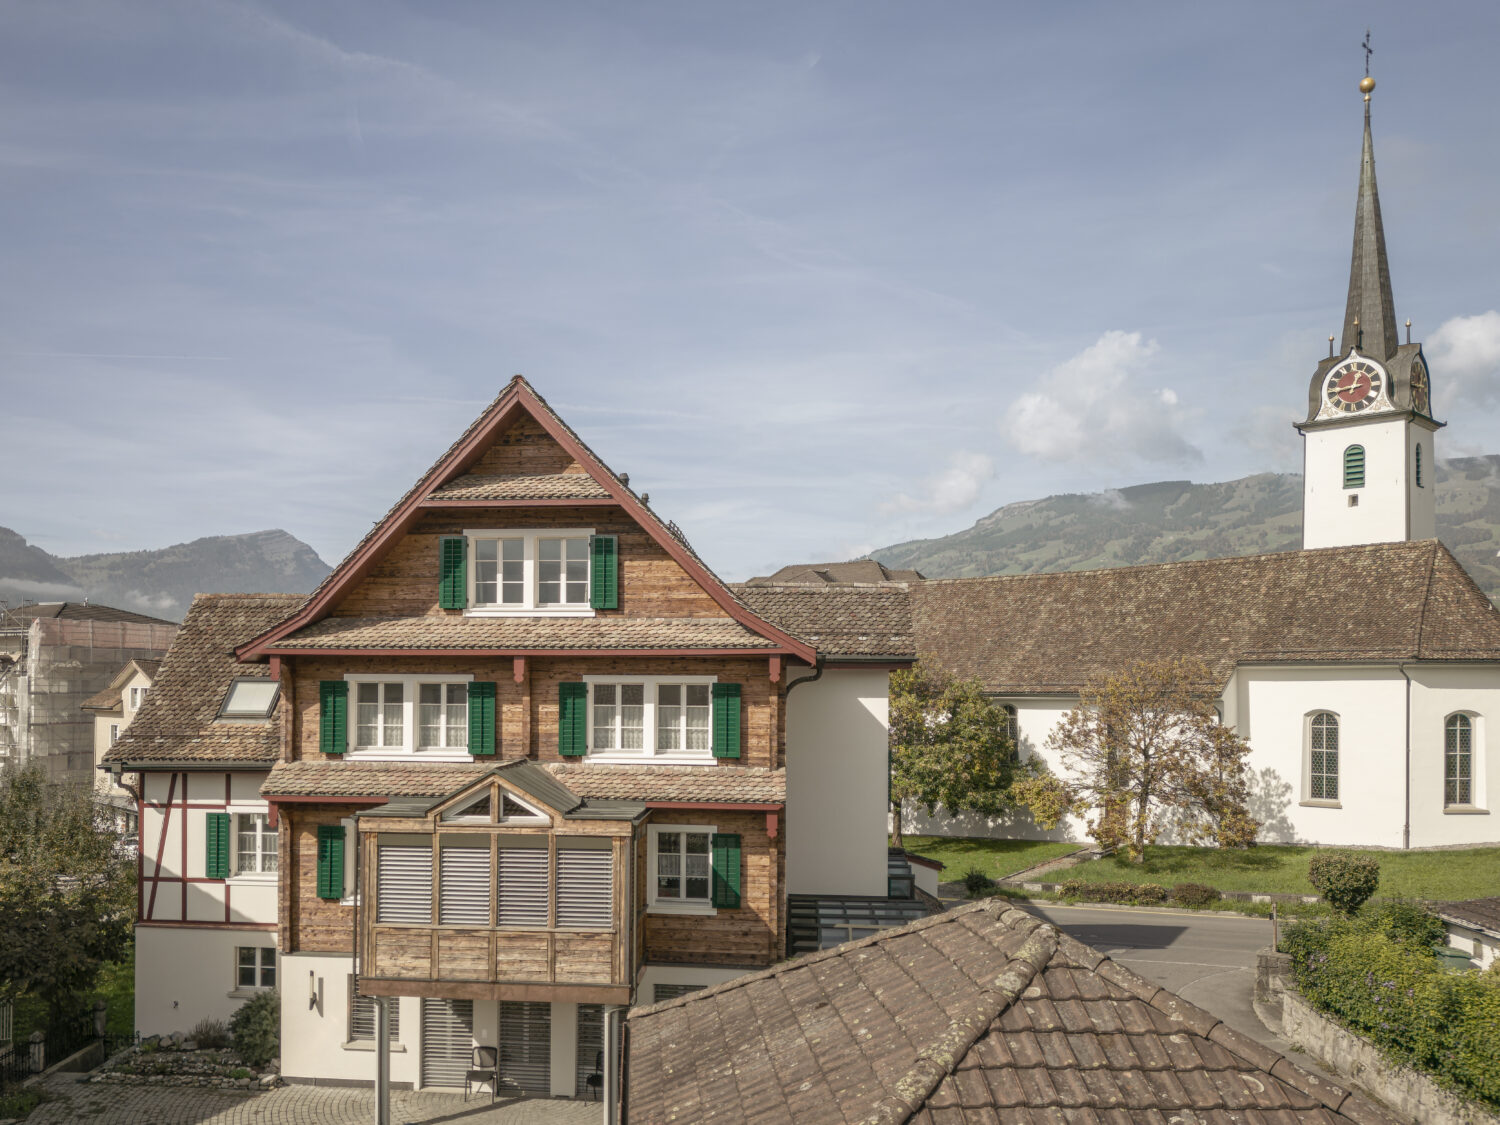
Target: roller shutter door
<point x="590" y="1043"/>
<point x="403" y="884"/>
<point x="447" y="1041"/>
<point x="526" y="1045"/>
<point x="464" y="886"/>
<point x="523" y="888"/>
<point x="585" y="889"/>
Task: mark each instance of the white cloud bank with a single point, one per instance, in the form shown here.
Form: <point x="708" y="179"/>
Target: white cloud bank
<point x="1465" y="356"/>
<point x="951" y="490"/>
<point x="1092" y="407"/>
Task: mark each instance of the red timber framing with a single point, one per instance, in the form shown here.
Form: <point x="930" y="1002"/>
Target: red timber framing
<point x="516" y="400"/>
<point x="174" y="812"/>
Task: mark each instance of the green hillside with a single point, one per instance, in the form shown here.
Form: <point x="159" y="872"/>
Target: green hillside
<point x="1172" y="520"/>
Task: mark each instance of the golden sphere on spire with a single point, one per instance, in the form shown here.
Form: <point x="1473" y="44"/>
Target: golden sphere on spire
<point x="1366" y="84"/>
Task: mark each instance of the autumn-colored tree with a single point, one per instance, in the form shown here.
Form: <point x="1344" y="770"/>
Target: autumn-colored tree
<point x="949" y="745"/>
<point x="1144" y="749"/>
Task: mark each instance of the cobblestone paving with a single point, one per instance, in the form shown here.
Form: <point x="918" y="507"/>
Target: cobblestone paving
<point x="108" y="1104"/>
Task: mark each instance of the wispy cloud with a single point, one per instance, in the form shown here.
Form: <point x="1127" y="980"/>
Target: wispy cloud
<point x="952" y="490"/>
<point x="1465" y="355"/>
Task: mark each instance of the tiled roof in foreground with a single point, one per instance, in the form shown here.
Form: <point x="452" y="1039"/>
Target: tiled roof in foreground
<point x="523" y="634"/>
<point x="838" y="620"/>
<point x="982" y="1014"/>
<point x="1054" y="632"/>
<point x="179" y="719"/>
<point x="1479" y="913"/>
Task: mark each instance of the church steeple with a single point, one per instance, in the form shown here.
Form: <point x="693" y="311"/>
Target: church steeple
<point x="1370" y="314"/>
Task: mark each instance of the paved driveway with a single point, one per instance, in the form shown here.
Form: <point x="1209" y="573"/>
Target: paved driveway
<point x="108" y="1104"/>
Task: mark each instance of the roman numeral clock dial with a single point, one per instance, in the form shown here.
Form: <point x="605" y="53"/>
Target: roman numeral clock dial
<point x="1353" y="386"/>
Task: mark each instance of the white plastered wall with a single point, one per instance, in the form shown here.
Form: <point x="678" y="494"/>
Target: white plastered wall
<point x="315" y="1038"/>
<point x="837" y="771"/>
<point x="1438" y="692"/>
<point x="185" y="974"/>
<point x="1380" y="516"/>
<point x="703" y="976"/>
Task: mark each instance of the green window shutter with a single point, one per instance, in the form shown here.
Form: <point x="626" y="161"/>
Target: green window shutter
<point x="726" y="858"/>
<point x="453" y="586"/>
<point x="1417" y="449"/>
<point x="604" y="572"/>
<point x="572" y="725"/>
<point x="333" y="716"/>
<point x="1354" y="467"/>
<point x="482" y="717"/>
<point x="330" y="861"/>
<point x="726" y="720"/>
<point x="216" y="862"/>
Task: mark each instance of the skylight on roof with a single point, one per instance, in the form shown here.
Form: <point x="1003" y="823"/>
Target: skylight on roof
<point x="251" y="697"/>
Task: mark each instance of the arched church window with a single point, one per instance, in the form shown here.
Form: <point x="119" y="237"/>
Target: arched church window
<point x="1418" y="453"/>
<point x="1458" y="760"/>
<point x="1354" y="467"/>
<point x="1323" y="758"/>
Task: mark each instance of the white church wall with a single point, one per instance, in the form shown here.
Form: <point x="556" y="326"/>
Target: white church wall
<point x="1380" y="515"/>
<point x="1423" y="499"/>
<point x="1437" y="692"/>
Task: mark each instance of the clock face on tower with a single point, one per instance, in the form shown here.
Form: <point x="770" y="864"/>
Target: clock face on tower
<point x="1353" y="385"/>
<point x="1419" y="389"/>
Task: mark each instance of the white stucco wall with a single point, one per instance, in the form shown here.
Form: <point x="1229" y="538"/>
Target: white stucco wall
<point x="315" y="1039"/>
<point x="184" y="974"/>
<point x="1380" y="517"/>
<point x="705" y="976"/>
<point x="837" y="783"/>
<point x="1438" y="692"/>
<point x="1483" y="948"/>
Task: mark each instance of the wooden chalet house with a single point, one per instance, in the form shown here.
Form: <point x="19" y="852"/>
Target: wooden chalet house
<point x="521" y="758"/>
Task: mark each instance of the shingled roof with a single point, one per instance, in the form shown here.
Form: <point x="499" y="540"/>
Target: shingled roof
<point x="982" y="1014"/>
<point x="81" y="611"/>
<point x="1043" y="633"/>
<point x="179" y="719"/>
<point x="839" y="620"/>
<point x="530" y="486"/>
<point x="817" y="574"/>
<point x="522" y="634"/>
<point x="1477" y="913"/>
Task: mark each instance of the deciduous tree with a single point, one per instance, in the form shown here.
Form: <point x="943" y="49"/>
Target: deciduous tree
<point x="1145" y="750"/>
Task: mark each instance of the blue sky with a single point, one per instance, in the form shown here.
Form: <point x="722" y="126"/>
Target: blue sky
<point x="819" y="276"/>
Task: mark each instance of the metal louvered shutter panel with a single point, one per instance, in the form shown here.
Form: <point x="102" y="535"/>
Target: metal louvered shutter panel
<point x="362" y="1019"/>
<point x="523" y="888"/>
<point x="526" y="1045"/>
<point x="660" y="992"/>
<point x="403" y="883"/>
<point x="464" y="886"/>
<point x="590" y="1044"/>
<point x="585" y="888"/>
<point x="447" y="1041"/>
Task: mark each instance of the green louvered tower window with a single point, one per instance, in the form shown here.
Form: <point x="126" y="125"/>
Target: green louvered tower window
<point x="216" y="833"/>
<point x="726" y="867"/>
<point x="453" y="585"/>
<point x="604" y="572"/>
<point x="333" y="716"/>
<point x="482" y="717"/>
<point x="726" y="720"/>
<point x="1354" y="467"/>
<point x="331" y="861"/>
<point x="572" y="719"/>
<point x="1417" y="451"/>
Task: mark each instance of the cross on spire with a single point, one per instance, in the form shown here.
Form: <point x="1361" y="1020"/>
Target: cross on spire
<point x="1369" y="50"/>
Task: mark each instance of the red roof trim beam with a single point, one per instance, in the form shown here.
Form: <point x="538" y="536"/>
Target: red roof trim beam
<point x="517" y="398"/>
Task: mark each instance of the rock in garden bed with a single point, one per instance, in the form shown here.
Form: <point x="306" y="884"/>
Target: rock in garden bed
<point x="172" y="1060"/>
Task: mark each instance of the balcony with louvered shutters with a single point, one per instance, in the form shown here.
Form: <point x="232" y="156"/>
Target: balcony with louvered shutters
<point x="511" y="888"/>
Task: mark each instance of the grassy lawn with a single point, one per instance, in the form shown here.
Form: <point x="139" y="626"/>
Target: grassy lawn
<point x="1471" y="873"/>
<point x="996" y="858"/>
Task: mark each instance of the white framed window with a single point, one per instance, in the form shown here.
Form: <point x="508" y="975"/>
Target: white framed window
<point x="1322" y="758"/>
<point x="137" y="694"/>
<point x="664" y="718"/>
<point x="402" y="716"/>
<point x="254" y="967"/>
<point x="529" y="573"/>
<point x="1462" y="782"/>
<point x="114" y="733"/>
<point x="254" y="844"/>
<point x="680" y="879"/>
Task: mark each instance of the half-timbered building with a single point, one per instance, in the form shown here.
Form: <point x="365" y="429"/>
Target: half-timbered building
<point x="521" y="758"/>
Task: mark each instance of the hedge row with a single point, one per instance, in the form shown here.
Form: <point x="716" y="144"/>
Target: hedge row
<point x="1139" y="894"/>
<point x="1379" y="975"/>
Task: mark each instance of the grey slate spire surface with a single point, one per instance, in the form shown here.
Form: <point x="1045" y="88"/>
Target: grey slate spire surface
<point x="1369" y="273"/>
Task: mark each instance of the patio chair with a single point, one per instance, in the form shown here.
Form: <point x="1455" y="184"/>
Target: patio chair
<point x="485" y="1068"/>
<point x="595" y="1081"/>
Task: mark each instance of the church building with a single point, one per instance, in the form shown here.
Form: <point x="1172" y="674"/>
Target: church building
<point x="1363" y="669"/>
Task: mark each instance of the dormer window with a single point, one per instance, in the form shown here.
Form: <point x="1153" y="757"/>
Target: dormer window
<point x="507" y="572"/>
<point x="250" y="697"/>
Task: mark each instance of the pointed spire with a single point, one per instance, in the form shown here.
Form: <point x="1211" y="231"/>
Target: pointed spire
<point x="1370" y="316"/>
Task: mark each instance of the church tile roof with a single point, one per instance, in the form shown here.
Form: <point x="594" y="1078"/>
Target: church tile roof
<point x="1046" y="633"/>
<point x="983" y="1013"/>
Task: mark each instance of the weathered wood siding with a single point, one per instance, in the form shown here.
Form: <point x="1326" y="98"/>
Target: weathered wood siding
<point x="311" y="924"/>
<point x="525" y="448"/>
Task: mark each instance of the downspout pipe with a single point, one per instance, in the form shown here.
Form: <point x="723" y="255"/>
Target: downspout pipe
<point x="1406" y="819"/>
<point x="817" y="675"/>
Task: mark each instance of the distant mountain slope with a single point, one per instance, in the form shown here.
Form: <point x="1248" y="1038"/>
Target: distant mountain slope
<point x="1172" y="520"/>
<point x="162" y="582"/>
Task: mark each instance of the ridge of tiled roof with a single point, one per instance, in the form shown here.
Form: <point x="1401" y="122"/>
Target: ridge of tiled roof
<point x="1053" y="632"/>
<point x="980" y="1013"/>
<point x="522" y="634"/>
<point x="520" y="486"/>
<point x="847" y="619"/>
<point x="178" y="720"/>
<point x="853" y="570"/>
<point x="82" y="611"/>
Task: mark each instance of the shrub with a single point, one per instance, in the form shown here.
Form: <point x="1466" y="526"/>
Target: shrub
<point x="1408" y="924"/>
<point x="210" y="1033"/>
<point x="976" y="882"/>
<point x="1195" y="894"/>
<point x="256" y="1027"/>
<point x="1345" y="880"/>
<point x="1135" y="894"/>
